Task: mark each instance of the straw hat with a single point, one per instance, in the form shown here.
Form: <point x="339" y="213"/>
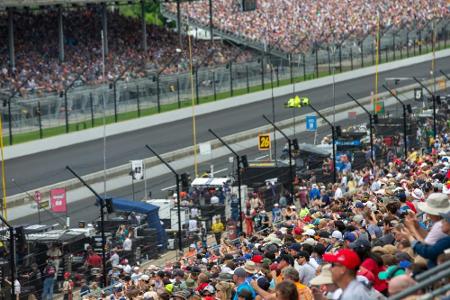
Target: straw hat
<point x="324" y="277"/>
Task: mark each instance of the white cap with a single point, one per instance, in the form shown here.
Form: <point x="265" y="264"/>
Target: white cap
<point x="337" y="235"/>
<point x="310" y="232"/>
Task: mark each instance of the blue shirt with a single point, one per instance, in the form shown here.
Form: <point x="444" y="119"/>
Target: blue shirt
<point x="244" y="286"/>
<point x="431" y="252"/>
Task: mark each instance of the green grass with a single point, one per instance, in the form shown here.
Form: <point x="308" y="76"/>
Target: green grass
<point x="73" y="127"/>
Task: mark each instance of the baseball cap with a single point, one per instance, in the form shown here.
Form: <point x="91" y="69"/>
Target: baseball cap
<point x="240" y="272"/>
<point x="257" y="259"/>
<point x="391" y="272"/>
<point x="296" y="247"/>
<point x="360" y="243"/>
<point x="346" y="257"/>
<point x="310" y="232"/>
<point x="337" y="235"/>
<point x="349" y="236"/>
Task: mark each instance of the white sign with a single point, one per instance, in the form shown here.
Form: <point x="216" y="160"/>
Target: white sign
<point x="137" y="169"/>
<point x="205" y="148"/>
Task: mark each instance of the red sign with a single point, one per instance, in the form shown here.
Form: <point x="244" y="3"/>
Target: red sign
<point x="58" y="200"/>
<point x="352" y="115"/>
<point x="37" y="196"/>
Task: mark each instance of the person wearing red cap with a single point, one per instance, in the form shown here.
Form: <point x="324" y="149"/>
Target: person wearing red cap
<point x="344" y="265"/>
<point x="67" y="286"/>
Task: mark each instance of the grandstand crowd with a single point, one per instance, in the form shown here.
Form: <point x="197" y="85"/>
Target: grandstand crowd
<point x="296" y="25"/>
<point x="368" y="236"/>
<point x="39" y="70"/>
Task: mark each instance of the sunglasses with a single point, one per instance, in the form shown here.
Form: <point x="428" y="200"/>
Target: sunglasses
<point x="335" y="265"/>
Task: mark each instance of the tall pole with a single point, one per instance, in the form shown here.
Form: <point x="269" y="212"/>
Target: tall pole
<point x="238" y="161"/>
<point x="372" y="154"/>
<point x="102" y="221"/>
<point x="404" y="119"/>
<point x="179" y="22"/>
<point x="333" y="137"/>
<point x="12" y="251"/>
<point x="291" y="173"/>
<point x="211" y="21"/>
<point x="177" y="180"/>
<point x="433" y="96"/>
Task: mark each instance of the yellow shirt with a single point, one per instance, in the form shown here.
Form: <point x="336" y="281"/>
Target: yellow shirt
<point x="304" y="293"/>
<point x="217" y="227"/>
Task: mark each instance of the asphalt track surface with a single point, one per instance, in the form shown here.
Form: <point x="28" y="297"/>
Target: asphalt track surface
<point x="33" y="171"/>
<point x="86" y="210"/>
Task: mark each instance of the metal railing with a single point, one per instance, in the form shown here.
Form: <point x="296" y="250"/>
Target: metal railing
<point x="88" y="105"/>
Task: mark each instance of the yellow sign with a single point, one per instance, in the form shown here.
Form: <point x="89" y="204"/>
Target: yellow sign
<point x="264" y="142"/>
<point x="442" y="84"/>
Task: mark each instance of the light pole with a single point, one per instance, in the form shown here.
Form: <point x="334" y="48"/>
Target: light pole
<point x="372" y="154"/>
<point x="177" y="180"/>
<point x="101" y="201"/>
<point x="291" y="173"/>
<point x="238" y="170"/>
<point x="433" y="97"/>
<point x="404" y="119"/>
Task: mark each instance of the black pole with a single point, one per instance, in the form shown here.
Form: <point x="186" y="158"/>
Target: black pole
<point x="340" y="59"/>
<point x="407" y="43"/>
<point x="317" y="62"/>
<point x="138" y="101"/>
<point x="178" y="92"/>
<point x="433" y="96"/>
<point x="273" y="112"/>
<point x="214" y="85"/>
<point x="362" y="54"/>
<point x="115" y="100"/>
<point x="404" y="119"/>
<point x="248" y="83"/>
<point x="393" y="44"/>
<point x="211" y="21"/>
<point x="179" y="22"/>
<point x="262" y="72"/>
<point x="291" y="173"/>
<point x="197" y="97"/>
<point x="329" y="60"/>
<point x="351" y="59"/>
<point x="132" y="187"/>
<point x="10" y="122"/>
<point x="370" y="124"/>
<point x="231" y="78"/>
<point x="12" y="251"/>
<point x="177" y="179"/>
<point x="238" y="161"/>
<point x="333" y="137"/>
<point x="158" y="96"/>
<point x="102" y="222"/>
<point x="290" y="69"/>
<point x="277" y="76"/>
<point x="66" y="113"/>
<point x="304" y="66"/>
<point x="41" y="134"/>
<point x="92" y="109"/>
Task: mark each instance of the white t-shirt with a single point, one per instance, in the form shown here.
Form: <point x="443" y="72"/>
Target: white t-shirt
<point x="192" y="225"/>
<point x="114" y="259"/>
<point x="127" y="244"/>
<point x="214" y="200"/>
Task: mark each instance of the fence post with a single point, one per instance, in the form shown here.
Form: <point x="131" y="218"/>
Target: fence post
<point x="329" y="60"/>
<point x="387" y="56"/>
<point x="351" y="58"/>
<point x="362" y="54"/>
<point x="278" y="78"/>
<point x="373" y="54"/>
<point x="317" y="62"/>
<point x="115" y="102"/>
<point x="262" y="72"/>
<point x="158" y="95"/>
<point x="401" y="51"/>
<point x="414" y="47"/>
<point x="39" y="113"/>
<point x="138" y="102"/>
<point x="92" y="110"/>
<point x="66" y="112"/>
<point x="231" y="79"/>
<point x="304" y="66"/>
<point x="214" y="85"/>
<point x="248" y="83"/>
<point x="197" y="96"/>
<point x="290" y="69"/>
<point x="393" y="44"/>
<point x="178" y="92"/>
<point x="407" y="44"/>
<point x="340" y="58"/>
<point x="420" y="41"/>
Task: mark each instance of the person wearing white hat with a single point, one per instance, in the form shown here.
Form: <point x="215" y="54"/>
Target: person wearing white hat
<point x="435" y="204"/>
<point x="325" y="283"/>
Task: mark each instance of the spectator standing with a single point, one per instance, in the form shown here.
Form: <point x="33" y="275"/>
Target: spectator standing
<point x="49" y="281"/>
<point x="217" y="228"/>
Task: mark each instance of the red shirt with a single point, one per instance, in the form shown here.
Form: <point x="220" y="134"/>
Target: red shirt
<point x="94" y="260"/>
